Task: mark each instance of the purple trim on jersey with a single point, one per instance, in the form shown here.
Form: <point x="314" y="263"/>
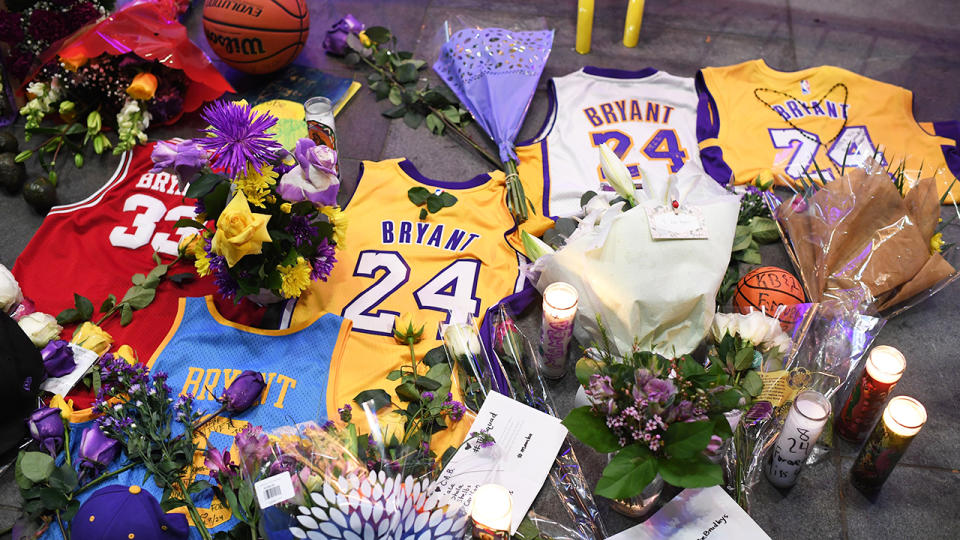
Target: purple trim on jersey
<point x="515" y="303"/>
<point x="355" y="188"/>
<point x="407" y="166"/>
<point x="549" y="120"/>
<point x="708" y="118"/>
<point x="544" y="158"/>
<point x="949" y="129"/>
<point x="713" y="164"/>
<point x="619" y="73"/>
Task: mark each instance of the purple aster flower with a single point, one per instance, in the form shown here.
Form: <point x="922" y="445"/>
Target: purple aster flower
<point x="323" y="261"/>
<point x="301" y="229"/>
<point x="345" y="413"/>
<point x="238" y="137"/>
<point x="227" y="286"/>
<point x="456" y="410"/>
<point x="427" y="396"/>
<point x="659" y="389"/>
<point x="199" y="207"/>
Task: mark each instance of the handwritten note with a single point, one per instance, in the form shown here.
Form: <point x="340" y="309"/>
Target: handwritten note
<point x="527" y="442"/>
<point x="697" y="514"/>
<point x="686" y="223"/>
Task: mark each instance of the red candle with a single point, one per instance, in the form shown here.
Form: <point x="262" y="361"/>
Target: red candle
<point x="884" y="367"/>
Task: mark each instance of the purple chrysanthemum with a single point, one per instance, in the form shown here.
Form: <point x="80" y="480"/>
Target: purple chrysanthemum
<point x="301" y="229"/>
<point x="323" y="261"/>
<point x="238" y="137"/>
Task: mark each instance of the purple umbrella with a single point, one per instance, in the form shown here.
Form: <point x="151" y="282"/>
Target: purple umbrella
<point x="494" y="73"/>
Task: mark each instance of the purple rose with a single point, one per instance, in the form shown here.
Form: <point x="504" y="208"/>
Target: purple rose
<point x="96" y="449"/>
<point x="335" y="42"/>
<point x="659" y="389"/>
<point x="314" y="178"/>
<point x="243" y="392"/>
<point x="58" y="358"/>
<point x="184" y="158"/>
<point x="46" y="427"/>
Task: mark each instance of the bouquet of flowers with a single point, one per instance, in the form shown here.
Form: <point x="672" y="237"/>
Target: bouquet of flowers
<point x="112" y="76"/>
<point x="660" y="416"/>
<point x="277" y="224"/>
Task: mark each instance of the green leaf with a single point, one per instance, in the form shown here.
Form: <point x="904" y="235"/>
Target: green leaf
<point x="452" y="114"/>
<point x="378" y="34"/>
<point x="108" y="304"/>
<point x="198" y="486"/>
<point x="687" y="439"/>
<point x="690" y="473"/>
<point x="374" y="77"/>
<point x="352" y="58"/>
<point x="752" y="383"/>
<point x="750" y="256"/>
<point x="423" y="214"/>
<point x="435" y="356"/>
<point x="447" y="199"/>
<point x="203" y="185"/>
<point x="407" y="72"/>
<point x="434" y="204"/>
<point x="182" y="278"/>
<point x="171" y="504"/>
<point x="64" y="478"/>
<point x="728" y="399"/>
<point x="216" y="200"/>
<point x="741" y="238"/>
<point x="395" y="112"/>
<point x="139" y="297"/>
<point x="408" y="392"/>
<point x="53" y="498"/>
<point x="591" y="430"/>
<point x="434" y="124"/>
<point x="126" y="315"/>
<point x="418" y="195"/>
<point x="380" y="398"/>
<point x="585" y="368"/>
<point x="39" y="130"/>
<point x="187" y="222"/>
<point x="153" y="278"/>
<point x="764" y="230"/>
<point x="246" y="495"/>
<point x="395" y="96"/>
<point x="690" y="367"/>
<point x="743" y="359"/>
<point x="23" y="156"/>
<point x="36" y="466"/>
<point x="627" y="473"/>
<point x="586" y="197"/>
<point x="425" y="383"/>
<point x="412" y="119"/>
<point x="138" y="279"/>
<point x="22" y="481"/>
<point x="721" y="426"/>
<point x="69" y="316"/>
<point x="381" y="89"/>
<point x="394" y="375"/>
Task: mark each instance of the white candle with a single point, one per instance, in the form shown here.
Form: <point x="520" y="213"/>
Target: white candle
<point x="801" y="429"/>
<point x="886" y="364"/>
<point x="559" y="309"/>
<point x="491" y="510"/>
<point x="904" y="416"/>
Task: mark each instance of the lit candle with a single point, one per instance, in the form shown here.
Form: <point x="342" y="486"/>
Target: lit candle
<point x="900" y="423"/>
<point x="584" y="25"/>
<point x="491" y="510"/>
<point x="559" y="309"/>
<point x="631" y="26"/>
<point x="801" y="429"/>
<point x="884" y="367"/>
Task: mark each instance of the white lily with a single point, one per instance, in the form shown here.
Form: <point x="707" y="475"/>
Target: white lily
<point x="617" y="174"/>
<point x="534" y="247"/>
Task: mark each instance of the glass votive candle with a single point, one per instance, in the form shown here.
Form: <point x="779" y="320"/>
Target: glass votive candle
<point x="559" y="309"/>
<point x="801" y="429"/>
<point x="491" y="511"/>
<point x="885" y="366"/>
<point x="900" y="423"/>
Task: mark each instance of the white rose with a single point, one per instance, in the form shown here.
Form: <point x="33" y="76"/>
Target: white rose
<point x="40" y="328"/>
<point x="10" y="294"/>
<point x="723" y="324"/>
<point x="780" y="342"/>
<point x="755" y="327"/>
<point x="461" y="340"/>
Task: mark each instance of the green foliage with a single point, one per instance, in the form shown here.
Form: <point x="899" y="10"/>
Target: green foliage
<point x="754" y="228"/>
<point x="430" y="202"/>
<point x="591" y="429"/>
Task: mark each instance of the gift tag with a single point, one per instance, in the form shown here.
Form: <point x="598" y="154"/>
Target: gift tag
<point x="683" y="223"/>
<point x="274" y="489"/>
<point x="84" y="358"/>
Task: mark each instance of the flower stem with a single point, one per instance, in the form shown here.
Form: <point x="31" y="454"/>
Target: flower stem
<point x="103" y="477"/>
<point x="194" y="515"/>
<point x="66" y="445"/>
<point x="63" y="531"/>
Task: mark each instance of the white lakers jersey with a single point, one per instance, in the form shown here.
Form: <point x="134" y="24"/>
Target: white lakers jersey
<point x="648" y="118"/>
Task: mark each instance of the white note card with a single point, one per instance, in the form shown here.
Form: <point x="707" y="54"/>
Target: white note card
<point x="526" y="445"/>
<point x="697" y="514"/>
<point x="61" y="385"/>
<point x="684" y="223"/>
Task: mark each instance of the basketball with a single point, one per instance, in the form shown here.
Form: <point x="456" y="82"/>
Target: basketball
<point x="766" y="289"/>
<point x="256" y="36"/>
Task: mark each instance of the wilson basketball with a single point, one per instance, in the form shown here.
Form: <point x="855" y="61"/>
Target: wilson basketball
<point x="256" y="36"/>
<point x="766" y="289"/>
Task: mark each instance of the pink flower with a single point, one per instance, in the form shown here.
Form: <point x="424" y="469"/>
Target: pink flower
<point x="659" y="389"/>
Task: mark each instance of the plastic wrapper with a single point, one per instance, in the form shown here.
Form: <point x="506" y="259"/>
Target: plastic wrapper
<point x="469" y="360"/>
<point x="520" y="363"/>
<point x="859" y="231"/>
<point x="829" y="340"/>
<point x="336" y="494"/>
<point x="661" y="291"/>
<point x="149" y="29"/>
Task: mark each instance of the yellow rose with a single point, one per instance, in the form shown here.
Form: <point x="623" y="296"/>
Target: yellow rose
<point x="191" y="246"/>
<point x="406" y="329"/>
<point x="92" y="337"/>
<point x="936" y="243"/>
<point x="391" y="425"/>
<point x="239" y="231"/>
<point x="365" y="39"/>
<point x="126" y="352"/>
<point x="286" y="207"/>
<point x="73" y="61"/>
<point x="66" y="407"/>
<point x="144" y="85"/>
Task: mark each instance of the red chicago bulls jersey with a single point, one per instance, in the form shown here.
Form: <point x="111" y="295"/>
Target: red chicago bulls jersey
<point x="95" y="246"/>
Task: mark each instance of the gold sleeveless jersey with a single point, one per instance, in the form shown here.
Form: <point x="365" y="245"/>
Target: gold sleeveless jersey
<point x="752" y="117"/>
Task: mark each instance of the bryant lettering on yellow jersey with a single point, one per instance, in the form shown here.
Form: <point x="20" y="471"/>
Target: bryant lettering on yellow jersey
<point x="752" y="117"/>
<point x="456" y="259"/>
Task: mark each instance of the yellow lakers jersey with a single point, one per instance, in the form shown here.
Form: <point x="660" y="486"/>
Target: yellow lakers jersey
<point x="752" y="117"/>
<point x="457" y="258"/>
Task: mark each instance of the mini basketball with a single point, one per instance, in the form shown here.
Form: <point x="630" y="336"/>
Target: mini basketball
<point x="766" y="289"/>
<point x="256" y="36"/>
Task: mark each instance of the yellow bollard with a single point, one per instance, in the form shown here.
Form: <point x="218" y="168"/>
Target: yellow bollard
<point x="584" y="25"/>
<point x="631" y="26"/>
